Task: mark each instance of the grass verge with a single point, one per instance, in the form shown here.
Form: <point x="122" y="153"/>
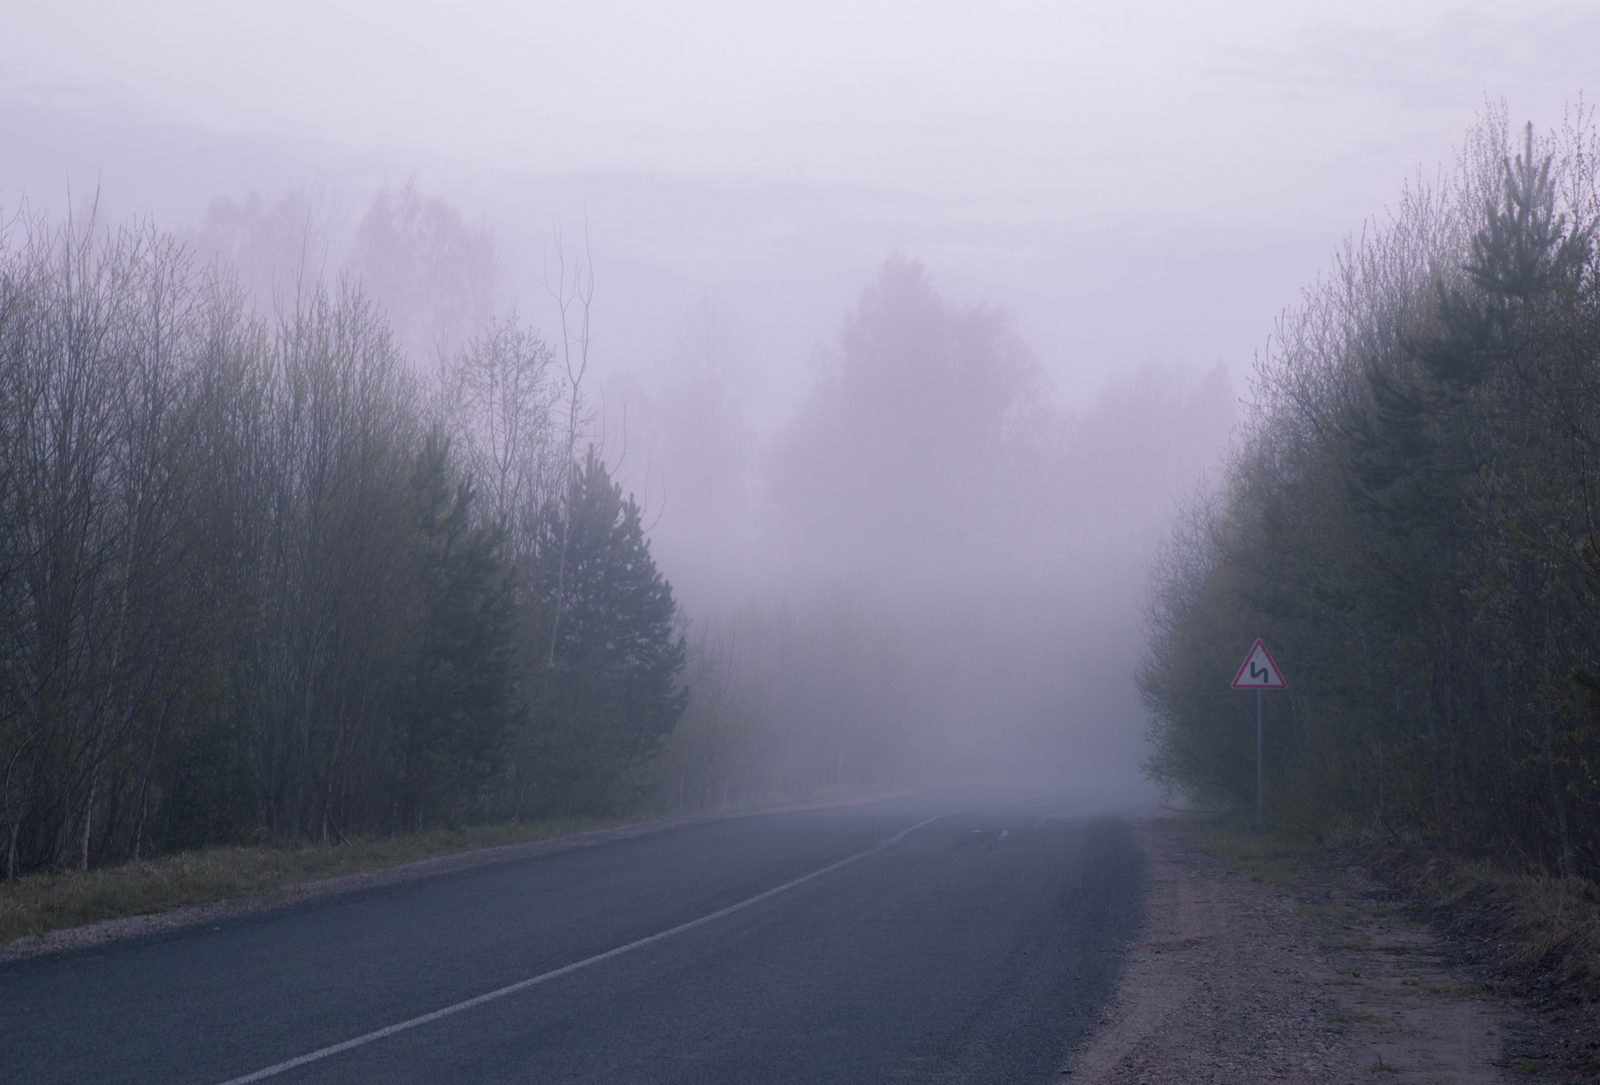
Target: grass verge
<point x="37" y="904"/>
<point x="1266" y="855"/>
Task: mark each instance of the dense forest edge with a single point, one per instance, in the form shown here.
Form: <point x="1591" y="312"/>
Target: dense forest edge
<point x="261" y="581"/>
<point x="270" y="579"/>
<point x="1407" y="517"/>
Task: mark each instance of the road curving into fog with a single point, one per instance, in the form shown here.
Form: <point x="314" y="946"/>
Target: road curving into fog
<point x="955" y="936"/>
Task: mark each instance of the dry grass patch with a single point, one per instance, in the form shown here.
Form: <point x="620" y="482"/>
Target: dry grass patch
<point x="1541" y="920"/>
<point x="37" y="904"/>
<point x="1544" y="920"/>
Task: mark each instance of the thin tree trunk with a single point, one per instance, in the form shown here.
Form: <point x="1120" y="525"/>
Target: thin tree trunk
<point x="582" y="294"/>
<point x="88" y="815"/>
<point x="1565" y="862"/>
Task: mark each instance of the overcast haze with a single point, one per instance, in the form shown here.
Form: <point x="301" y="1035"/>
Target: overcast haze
<point x="1142" y="189"/>
<point x="1019" y="150"/>
<point x="1084" y="112"/>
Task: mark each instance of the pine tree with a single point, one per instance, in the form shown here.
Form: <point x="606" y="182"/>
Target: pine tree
<point x="612" y="693"/>
<point x="457" y="705"/>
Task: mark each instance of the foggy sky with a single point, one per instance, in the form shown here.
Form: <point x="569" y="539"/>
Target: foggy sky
<point x="1079" y="164"/>
<point x="1084" y="112"/>
<point x="1076" y="163"/>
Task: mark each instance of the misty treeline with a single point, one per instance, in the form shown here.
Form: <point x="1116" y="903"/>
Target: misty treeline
<point x="299" y="541"/>
<point x="934" y="568"/>
<point x="263" y="577"/>
<point x="1408" y="518"/>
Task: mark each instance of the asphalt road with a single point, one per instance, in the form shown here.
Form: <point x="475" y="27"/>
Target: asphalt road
<point x="975" y="947"/>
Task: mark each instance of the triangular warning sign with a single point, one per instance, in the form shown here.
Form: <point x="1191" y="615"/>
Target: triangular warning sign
<point x="1259" y="671"/>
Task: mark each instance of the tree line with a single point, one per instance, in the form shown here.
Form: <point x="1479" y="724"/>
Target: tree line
<point x="291" y="557"/>
<point x="1407" y="516"/>
<point x="261" y="577"/>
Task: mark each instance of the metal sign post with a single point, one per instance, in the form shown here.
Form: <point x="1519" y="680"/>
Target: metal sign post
<point x="1258" y="757"/>
<point x="1259" y="673"/>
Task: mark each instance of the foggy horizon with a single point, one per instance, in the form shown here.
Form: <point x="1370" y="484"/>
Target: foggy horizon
<point x="1129" y="199"/>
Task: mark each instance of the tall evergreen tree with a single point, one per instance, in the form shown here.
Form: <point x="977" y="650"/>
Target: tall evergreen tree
<point x="612" y="694"/>
<point x="456" y="707"/>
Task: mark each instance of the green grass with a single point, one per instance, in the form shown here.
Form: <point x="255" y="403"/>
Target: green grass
<point x="36" y="904"/>
<point x="1266" y="855"/>
<point x="39" y="903"/>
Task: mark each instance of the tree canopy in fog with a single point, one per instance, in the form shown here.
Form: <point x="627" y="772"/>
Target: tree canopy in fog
<point x="921" y="434"/>
<point x="433" y="273"/>
<point x="943" y="563"/>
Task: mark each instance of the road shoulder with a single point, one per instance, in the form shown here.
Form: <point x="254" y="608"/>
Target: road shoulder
<point x="1236" y="980"/>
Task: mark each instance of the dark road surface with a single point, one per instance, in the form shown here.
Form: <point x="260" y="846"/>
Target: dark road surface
<point x="975" y="948"/>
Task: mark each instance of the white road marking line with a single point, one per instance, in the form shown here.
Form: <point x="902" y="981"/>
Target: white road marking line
<point x="895" y="839"/>
<point x="379" y="1034"/>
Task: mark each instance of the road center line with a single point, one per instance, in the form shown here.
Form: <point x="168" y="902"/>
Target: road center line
<point x="511" y="989"/>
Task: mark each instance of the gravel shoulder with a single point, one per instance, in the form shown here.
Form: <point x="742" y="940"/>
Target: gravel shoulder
<point x="1236" y="980"/>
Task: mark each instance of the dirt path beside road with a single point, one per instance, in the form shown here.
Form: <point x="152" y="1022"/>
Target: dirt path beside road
<point x="1235" y="980"/>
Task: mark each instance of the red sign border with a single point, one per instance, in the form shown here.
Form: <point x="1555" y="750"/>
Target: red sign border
<point x="1251" y="654"/>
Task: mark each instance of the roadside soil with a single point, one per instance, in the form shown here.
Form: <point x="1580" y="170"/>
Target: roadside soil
<point x="1235" y="980"/>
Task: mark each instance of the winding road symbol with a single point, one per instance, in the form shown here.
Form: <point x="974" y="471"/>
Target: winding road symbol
<point x="1259" y="671"/>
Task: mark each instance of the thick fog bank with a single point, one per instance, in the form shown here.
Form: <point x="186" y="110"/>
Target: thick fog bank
<point x="944" y="567"/>
<point x="917" y="556"/>
<point x="1096" y="294"/>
